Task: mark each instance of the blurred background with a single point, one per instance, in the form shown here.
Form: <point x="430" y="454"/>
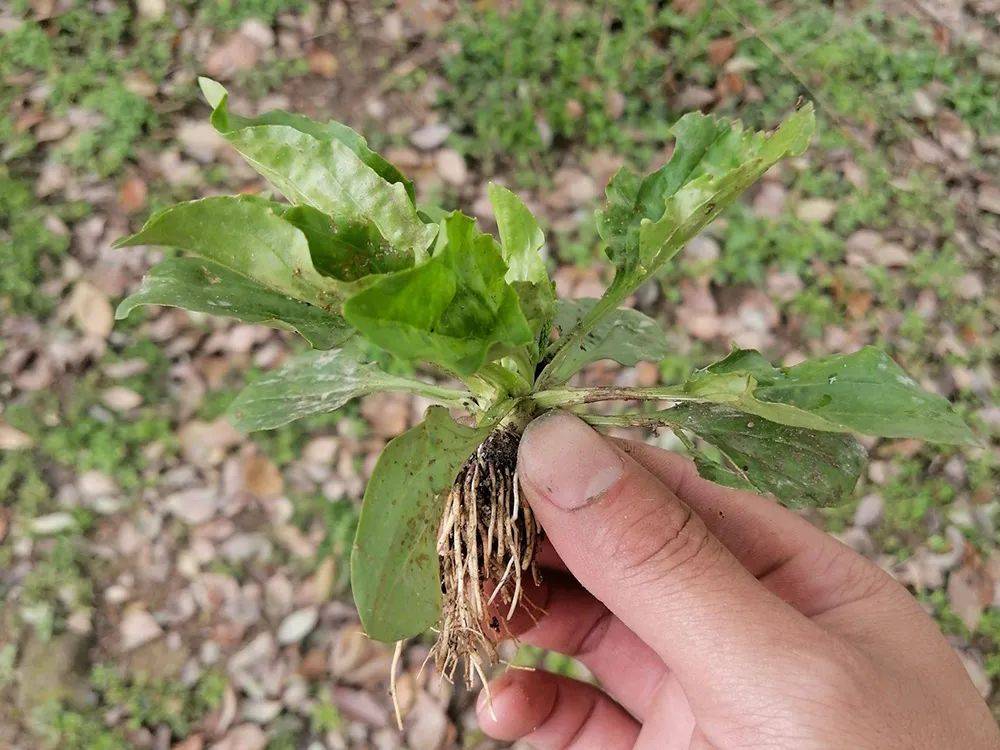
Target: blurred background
<point x="166" y="582"/>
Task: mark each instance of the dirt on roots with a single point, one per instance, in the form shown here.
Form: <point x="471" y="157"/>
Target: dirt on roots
<point x="486" y="545"/>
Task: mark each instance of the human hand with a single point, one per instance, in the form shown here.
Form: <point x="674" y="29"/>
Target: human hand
<point x="714" y="618"/>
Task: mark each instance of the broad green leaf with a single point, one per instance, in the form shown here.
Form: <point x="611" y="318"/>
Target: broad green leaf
<point x="321" y="382"/>
<point x="862" y="392"/>
<point x="800" y="467"/>
<point x="247" y="235"/>
<point x="347" y="251"/>
<point x="216" y="94"/>
<point x="394" y="565"/>
<point x="204" y="286"/>
<point x="324" y="166"/>
<point x="625" y="335"/>
<point x="520" y="238"/>
<point x="648" y="220"/>
<point x="454" y="310"/>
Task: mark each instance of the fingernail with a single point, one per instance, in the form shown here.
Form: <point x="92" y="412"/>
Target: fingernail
<point x="563" y="459"/>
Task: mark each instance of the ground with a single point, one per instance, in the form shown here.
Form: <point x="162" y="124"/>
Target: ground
<point x="170" y="583"/>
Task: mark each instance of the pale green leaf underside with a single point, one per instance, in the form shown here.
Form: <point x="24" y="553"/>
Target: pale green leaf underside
<point x="394" y="564"/>
<point x="207" y="287"/>
<point x="318" y="383"/>
<point x="247" y="235"/>
<point x="864" y="392"/>
<point x="624" y="335"/>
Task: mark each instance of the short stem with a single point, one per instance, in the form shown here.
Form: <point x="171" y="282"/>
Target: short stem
<point x="559" y="397"/>
<point x="648" y="419"/>
<point x="438" y="393"/>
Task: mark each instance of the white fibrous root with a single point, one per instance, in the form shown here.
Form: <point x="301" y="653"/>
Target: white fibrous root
<point x="486" y="547"/>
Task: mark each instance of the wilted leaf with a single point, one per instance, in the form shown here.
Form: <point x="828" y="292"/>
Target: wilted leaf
<point x="204" y="286"/>
<point x="394" y="565"/>
<point x="453" y="310"/>
<point x="246" y="235"/>
<point x="327" y="166"/>
<point x="800" y="467"/>
<point x="862" y="392"/>
<point x="321" y="382"/>
<point x="624" y="335"/>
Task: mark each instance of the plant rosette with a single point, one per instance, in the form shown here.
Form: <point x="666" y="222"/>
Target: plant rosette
<point x="352" y="264"/>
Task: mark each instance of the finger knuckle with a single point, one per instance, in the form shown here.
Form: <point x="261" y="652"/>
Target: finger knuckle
<point x="656" y="543"/>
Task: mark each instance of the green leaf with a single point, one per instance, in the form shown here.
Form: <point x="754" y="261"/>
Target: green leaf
<point x="329" y="167"/>
<point x="624" y="335"/>
<point x="454" y="310"/>
<point x="520" y="238"/>
<point x="346" y="251"/>
<point x="321" y="382"/>
<point x="863" y="392"/>
<point x="800" y="467"/>
<point x="215" y="94"/>
<point x="647" y="221"/>
<point x="247" y="235"/>
<point x="204" y="286"/>
<point x="394" y="566"/>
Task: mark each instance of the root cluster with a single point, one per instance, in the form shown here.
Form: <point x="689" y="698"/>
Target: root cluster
<point x="486" y="545"/>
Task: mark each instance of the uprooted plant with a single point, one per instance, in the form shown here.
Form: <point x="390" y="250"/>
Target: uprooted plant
<point x="352" y="264"/>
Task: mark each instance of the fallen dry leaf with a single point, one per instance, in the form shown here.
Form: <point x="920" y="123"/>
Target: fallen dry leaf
<point x="261" y="477"/>
<point x="12" y="439"/>
<point x="91" y="310"/>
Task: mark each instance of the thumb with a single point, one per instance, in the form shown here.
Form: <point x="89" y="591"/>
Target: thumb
<point x="650" y="559"/>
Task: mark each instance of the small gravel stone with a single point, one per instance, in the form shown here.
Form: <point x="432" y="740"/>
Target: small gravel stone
<point x="297" y="625"/>
<point x="451" y="167"/>
<point x="137" y="627"/>
<point x="430" y="136"/>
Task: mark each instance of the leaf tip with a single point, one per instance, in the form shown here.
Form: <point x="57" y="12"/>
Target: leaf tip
<point x="124" y="308"/>
<point x="213" y="91"/>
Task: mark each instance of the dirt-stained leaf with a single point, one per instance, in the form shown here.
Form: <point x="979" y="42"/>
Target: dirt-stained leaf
<point x="624" y="335"/>
<point x="321" y="382"/>
<point x="204" y="286"/>
<point x="394" y="565"/>
<point x="800" y="467"/>
<point x="327" y="166"/>
<point x="864" y="392"/>
<point x="454" y="310"/>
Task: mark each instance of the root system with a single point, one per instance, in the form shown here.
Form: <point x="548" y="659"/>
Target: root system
<point x="486" y="545"/>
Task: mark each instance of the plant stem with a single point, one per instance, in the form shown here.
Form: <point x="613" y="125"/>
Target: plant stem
<point x="559" y="397"/>
<point x="440" y="394"/>
<point x="648" y="419"/>
<point x="565" y="344"/>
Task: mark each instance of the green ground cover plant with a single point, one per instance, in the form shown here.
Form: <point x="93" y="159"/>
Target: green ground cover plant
<point x="351" y="262"/>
